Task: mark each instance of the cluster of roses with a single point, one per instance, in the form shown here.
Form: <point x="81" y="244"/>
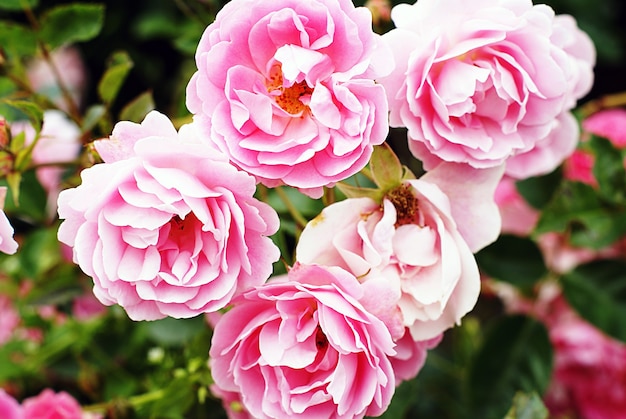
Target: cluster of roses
<point x="302" y="93"/>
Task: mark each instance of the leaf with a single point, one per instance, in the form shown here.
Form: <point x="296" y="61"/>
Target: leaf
<point x="538" y="191"/>
<point x="513" y="259"/>
<point x="597" y="291"/>
<point x="30" y="109"/>
<point x="516" y="355"/>
<point x="351" y="191"/>
<point x="608" y="170"/>
<point x="18" y="4"/>
<point x="175" y="332"/>
<point x="17" y="39"/>
<point x="527" y="406"/>
<point x="70" y="23"/>
<point x="118" y="68"/>
<point x="93" y="115"/>
<point x="138" y="108"/>
<point x="386" y="168"/>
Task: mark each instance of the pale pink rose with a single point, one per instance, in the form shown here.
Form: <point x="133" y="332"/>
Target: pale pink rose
<point x="549" y="152"/>
<point x="411" y="355"/>
<point x="59" y="142"/>
<point x="170" y="228"/>
<point x="609" y="124"/>
<point x="589" y="376"/>
<point x="72" y="72"/>
<point x="51" y="405"/>
<point x="413" y="252"/>
<point x="286" y="89"/>
<point x="478" y="82"/>
<point x="561" y="256"/>
<point x="9" y="407"/>
<point x="294" y="348"/>
<point x="579" y="167"/>
<point x="518" y="217"/>
<point x="9" y="319"/>
<point x="8" y="244"/>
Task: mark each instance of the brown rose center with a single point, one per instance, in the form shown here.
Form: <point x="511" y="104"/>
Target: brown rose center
<point x="406" y="205"/>
<point x="288" y="98"/>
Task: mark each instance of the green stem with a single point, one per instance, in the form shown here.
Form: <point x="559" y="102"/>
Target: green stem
<point x="295" y="214"/>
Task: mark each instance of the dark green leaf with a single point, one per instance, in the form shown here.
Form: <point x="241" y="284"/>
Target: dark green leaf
<point x="73" y="22"/>
<point x="516" y="355"/>
<point x="138" y="108"/>
<point x="513" y="259"/>
<point x="118" y="68"/>
<point x="597" y="291"/>
<point x="30" y="109"/>
<point x="608" y="170"/>
<point x="18" y="4"/>
<point x="175" y="332"/>
<point x="538" y="191"/>
<point x="17" y="39"/>
<point x="30" y="195"/>
<point x="527" y="406"/>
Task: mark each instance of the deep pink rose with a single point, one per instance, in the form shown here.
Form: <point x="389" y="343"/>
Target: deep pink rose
<point x="413" y="253"/>
<point x="305" y="347"/>
<point x="286" y="89"/>
<point x="7" y="242"/>
<point x="51" y="405"/>
<point x="609" y="124"/>
<point x="166" y="226"/>
<point x="478" y="82"/>
<point x="9" y="407"/>
<point x="579" y="167"/>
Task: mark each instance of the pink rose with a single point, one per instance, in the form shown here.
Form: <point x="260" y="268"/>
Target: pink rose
<point x="294" y="348"/>
<point x="579" y="167"/>
<point x="518" y="217"/>
<point x="9" y="407"/>
<point x="51" y="405"/>
<point x="609" y="124"/>
<point x="7" y="242"/>
<point x="589" y="369"/>
<point x="86" y="307"/>
<point x="286" y="89"/>
<point x="9" y="319"/>
<point x="59" y="142"/>
<point x="413" y="252"/>
<point x="478" y="82"/>
<point x="166" y="226"/>
<point x="411" y="356"/>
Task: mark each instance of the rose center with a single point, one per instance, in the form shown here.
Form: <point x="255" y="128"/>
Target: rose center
<point x="288" y="98"/>
<point x="406" y="205"/>
<point x="321" y="341"/>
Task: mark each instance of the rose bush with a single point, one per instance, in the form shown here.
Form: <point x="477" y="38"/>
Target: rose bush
<point x="413" y="252"/>
<point x="166" y="226"/>
<point x="295" y="347"/>
<point x="482" y="82"/>
<point x="286" y="89"/>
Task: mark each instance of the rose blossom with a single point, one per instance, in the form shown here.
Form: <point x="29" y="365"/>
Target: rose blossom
<point x="413" y="252"/>
<point x="8" y="244"/>
<point x="286" y="89"/>
<point x="9" y="407"/>
<point x="609" y="124"/>
<point x="478" y="82"/>
<point x="51" y="405"/>
<point x="296" y="348"/>
<point x="9" y="319"/>
<point x="518" y="217"/>
<point x="579" y="167"/>
<point x="411" y="356"/>
<point x="166" y="226"/>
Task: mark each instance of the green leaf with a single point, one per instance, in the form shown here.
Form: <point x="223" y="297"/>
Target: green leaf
<point x="17" y="39"/>
<point x="175" y="332"/>
<point x="28" y="192"/>
<point x="137" y="109"/>
<point x="516" y="355"/>
<point x="386" y="168"/>
<point x="92" y="117"/>
<point x="18" y="4"/>
<point x="538" y="191"/>
<point x="527" y="406"/>
<point x="597" y="291"/>
<point x="30" y="109"/>
<point x="119" y="66"/>
<point x="608" y="170"/>
<point x="513" y="259"/>
<point x="351" y="191"/>
<point x="70" y="23"/>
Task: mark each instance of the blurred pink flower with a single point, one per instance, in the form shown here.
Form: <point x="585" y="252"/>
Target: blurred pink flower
<point x="413" y="252"/>
<point x="381" y="11"/>
<point x="518" y="217"/>
<point x="9" y="319"/>
<point x="293" y="348"/>
<point x="7" y="242"/>
<point x="9" y="407"/>
<point x="579" y="167"/>
<point x="479" y="82"/>
<point x="86" y="307"/>
<point x="166" y="226"/>
<point x="609" y="124"/>
<point x="286" y="89"/>
<point x="71" y="68"/>
<point x="51" y="405"/>
<point x="59" y="142"/>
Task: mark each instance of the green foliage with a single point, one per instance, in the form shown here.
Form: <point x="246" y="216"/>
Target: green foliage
<point x="118" y="67"/>
<point x="527" y="406"/>
<point x="138" y="108"/>
<point x="516" y="355"/>
<point x="69" y="23"/>
<point x="17" y="39"/>
<point x="597" y="291"/>
<point x="18" y="4"/>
